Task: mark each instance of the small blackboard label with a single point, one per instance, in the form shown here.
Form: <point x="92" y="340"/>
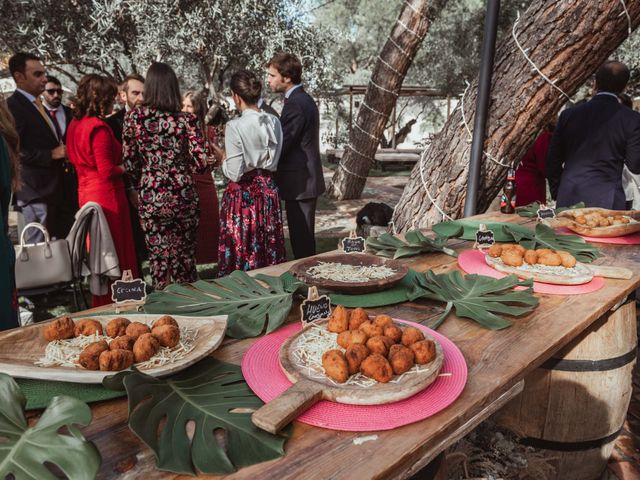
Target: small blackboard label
<point x="129" y="291"/>
<point x="317" y="309"/>
<point x="353" y="245"/>
<point x="544" y="212"/>
<point x="484" y="238"/>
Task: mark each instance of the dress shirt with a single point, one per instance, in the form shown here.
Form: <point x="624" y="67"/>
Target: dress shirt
<point x="60" y="116"/>
<point x="253" y="140"/>
<point x="288" y="93"/>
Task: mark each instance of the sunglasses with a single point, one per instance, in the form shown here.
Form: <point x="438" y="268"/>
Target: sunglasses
<point x="52" y="91"/>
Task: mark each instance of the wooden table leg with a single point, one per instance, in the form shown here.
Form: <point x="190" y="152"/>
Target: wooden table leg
<point x="573" y="406"/>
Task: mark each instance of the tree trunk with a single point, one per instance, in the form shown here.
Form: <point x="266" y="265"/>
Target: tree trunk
<point x="567" y="41"/>
<point x="388" y="74"/>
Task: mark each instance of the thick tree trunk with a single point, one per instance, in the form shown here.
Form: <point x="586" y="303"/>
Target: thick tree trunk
<point x="567" y="40"/>
<point x="388" y="74"/>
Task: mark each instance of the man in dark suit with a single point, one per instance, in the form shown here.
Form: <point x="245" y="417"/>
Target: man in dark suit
<point x="299" y="175"/>
<point x="41" y="151"/>
<point x="132" y="95"/>
<point x="591" y="144"/>
<point x="67" y="195"/>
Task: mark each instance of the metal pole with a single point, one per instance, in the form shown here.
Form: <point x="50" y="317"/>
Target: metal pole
<point x="482" y="104"/>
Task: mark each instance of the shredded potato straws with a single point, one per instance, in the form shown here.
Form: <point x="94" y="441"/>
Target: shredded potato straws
<point x="340" y="272"/>
<point x="65" y="353"/>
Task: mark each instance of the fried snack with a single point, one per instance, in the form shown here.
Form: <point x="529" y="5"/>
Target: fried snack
<point x="543" y="251"/>
<point x="568" y="260"/>
<point x="580" y="219"/>
<point x="495" y="250"/>
<point x="136" y="329"/>
<point x="550" y="259"/>
<point x="603" y="222"/>
<point x="59" y="329"/>
<point x="352" y="337"/>
<point x="531" y="257"/>
<point x="168" y="335"/>
<point x="377" y="367"/>
<point x="383" y="321"/>
<point x="335" y="365"/>
<point x="393" y="332"/>
<point x="146" y="346"/>
<point x="411" y="335"/>
<point x="593" y="223"/>
<point x="518" y="248"/>
<point x="371" y="329"/>
<point x="115" y="360"/>
<point x="511" y="257"/>
<point x="90" y="356"/>
<point x="358" y="317"/>
<point x="339" y="320"/>
<point x="165" y="320"/>
<point x="354" y="355"/>
<point x="424" y="351"/>
<point x="401" y="358"/>
<point x="123" y="342"/>
<point x="117" y="327"/>
<point x="379" y="344"/>
<point x="88" y="327"/>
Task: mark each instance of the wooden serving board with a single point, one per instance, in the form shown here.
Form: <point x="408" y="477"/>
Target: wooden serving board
<point x="307" y="390"/>
<point x="566" y="219"/>
<point x="21" y="347"/>
<point x="300" y="269"/>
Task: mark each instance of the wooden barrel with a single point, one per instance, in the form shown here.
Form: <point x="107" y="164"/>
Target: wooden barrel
<point x="573" y="407"/>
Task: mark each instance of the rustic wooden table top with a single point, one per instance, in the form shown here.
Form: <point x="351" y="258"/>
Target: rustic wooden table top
<point x="497" y="361"/>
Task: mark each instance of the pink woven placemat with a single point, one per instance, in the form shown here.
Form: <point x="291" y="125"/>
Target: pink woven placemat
<point x="632" y="239"/>
<point x="261" y="370"/>
<point x="472" y="261"/>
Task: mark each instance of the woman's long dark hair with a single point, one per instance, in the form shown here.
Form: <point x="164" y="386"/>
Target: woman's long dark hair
<point x="161" y="88"/>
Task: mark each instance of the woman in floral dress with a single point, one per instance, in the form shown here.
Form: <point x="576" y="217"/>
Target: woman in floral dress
<point x="251" y="233"/>
<point x="163" y="148"/>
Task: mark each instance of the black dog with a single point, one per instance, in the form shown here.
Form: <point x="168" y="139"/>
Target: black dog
<point x="374" y="214"/>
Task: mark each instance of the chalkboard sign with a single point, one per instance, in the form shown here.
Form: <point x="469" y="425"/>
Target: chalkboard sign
<point x="315" y="307"/>
<point x="353" y="245"/>
<point x="128" y="290"/>
<point x="484" y="238"/>
<point x="545" y="212"/>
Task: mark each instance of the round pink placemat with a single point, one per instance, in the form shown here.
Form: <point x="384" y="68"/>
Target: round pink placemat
<point x="261" y="370"/>
<point x="632" y="239"/>
<point x="472" y="261"/>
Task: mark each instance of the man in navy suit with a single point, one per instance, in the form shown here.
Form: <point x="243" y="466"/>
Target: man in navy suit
<point x="41" y="151"/>
<point x="299" y="175"/>
<point x="591" y="144"/>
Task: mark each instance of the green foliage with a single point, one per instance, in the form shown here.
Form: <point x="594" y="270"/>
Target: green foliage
<point x="25" y="449"/>
<point x="415" y="243"/>
<point x="531" y="210"/>
<point x="251" y="302"/>
<point x="480" y="298"/>
<point x="470" y="227"/>
<point x="214" y="396"/>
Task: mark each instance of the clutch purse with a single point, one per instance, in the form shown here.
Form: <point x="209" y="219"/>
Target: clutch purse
<point x="42" y="264"/>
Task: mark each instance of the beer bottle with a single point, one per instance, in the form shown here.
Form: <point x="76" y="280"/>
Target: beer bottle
<point x="508" y="200"/>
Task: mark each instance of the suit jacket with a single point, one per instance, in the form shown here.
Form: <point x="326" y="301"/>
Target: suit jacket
<point x="588" y="149"/>
<point x="40" y="174"/>
<point x="116" y="122"/>
<point x="299" y="174"/>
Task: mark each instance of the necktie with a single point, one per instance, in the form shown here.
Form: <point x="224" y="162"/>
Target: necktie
<point x="56" y="124"/>
<point x="38" y="103"/>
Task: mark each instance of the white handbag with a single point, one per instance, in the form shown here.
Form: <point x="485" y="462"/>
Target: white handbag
<point x="42" y="264"/>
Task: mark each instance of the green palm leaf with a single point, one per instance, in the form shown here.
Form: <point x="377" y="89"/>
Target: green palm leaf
<point x="25" y="449"/>
<point x="470" y="227"/>
<point x="252" y="303"/>
<point x="531" y="210"/>
<point x="545" y="237"/>
<point x="212" y="394"/>
<point x="415" y="243"/>
<point x="480" y="298"/>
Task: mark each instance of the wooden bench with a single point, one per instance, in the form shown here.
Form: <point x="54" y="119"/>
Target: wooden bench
<point x="386" y="158"/>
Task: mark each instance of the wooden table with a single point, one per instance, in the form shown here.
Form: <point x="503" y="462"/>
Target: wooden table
<point x="498" y="361"/>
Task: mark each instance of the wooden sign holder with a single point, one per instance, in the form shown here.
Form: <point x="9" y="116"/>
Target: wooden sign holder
<point x="127" y="276"/>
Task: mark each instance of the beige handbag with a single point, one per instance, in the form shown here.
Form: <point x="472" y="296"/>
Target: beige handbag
<point x="42" y="264"/>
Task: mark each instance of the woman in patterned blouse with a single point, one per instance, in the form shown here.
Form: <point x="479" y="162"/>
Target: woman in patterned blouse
<point x="163" y="148"/>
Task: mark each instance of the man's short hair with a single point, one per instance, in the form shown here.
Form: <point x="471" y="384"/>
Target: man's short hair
<point x="612" y="77"/>
<point x="52" y="79"/>
<point x="18" y="62"/>
<point x="288" y="65"/>
<point x="124" y="86"/>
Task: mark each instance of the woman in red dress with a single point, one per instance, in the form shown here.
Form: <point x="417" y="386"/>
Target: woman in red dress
<point x="530" y="176"/>
<point x="97" y="156"/>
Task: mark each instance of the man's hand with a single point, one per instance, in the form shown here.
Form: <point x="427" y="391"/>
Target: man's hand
<point x="59" y="152"/>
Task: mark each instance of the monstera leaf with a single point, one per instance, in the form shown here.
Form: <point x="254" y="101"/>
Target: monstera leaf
<point x="24" y="450"/>
<point x="415" y="243"/>
<point x="214" y="396"/>
<point x="470" y="227"/>
<point x="250" y="302"/>
<point x="531" y="210"/>
<point x="545" y="237"/>
<point x="480" y="298"/>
